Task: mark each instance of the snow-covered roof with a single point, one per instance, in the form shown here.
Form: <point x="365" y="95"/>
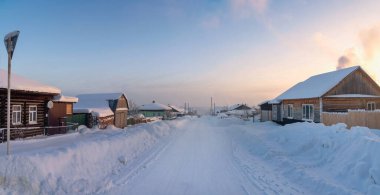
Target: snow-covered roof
<point x="233" y="107"/>
<point x="99" y="112"/>
<point x="353" y="96"/>
<point x="24" y="84"/>
<point x="154" y="106"/>
<point x="96" y="103"/>
<point x="315" y="86"/>
<point x="181" y="110"/>
<point x="62" y="98"/>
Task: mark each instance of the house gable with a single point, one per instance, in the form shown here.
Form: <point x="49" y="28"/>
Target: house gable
<point x="357" y="82"/>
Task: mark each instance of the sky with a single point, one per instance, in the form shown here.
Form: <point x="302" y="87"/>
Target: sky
<point x="177" y="51"/>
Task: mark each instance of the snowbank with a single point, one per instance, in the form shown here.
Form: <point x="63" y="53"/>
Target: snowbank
<point x="330" y="160"/>
<point x="79" y="162"/>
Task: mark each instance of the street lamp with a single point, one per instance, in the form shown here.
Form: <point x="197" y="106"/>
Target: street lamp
<point x="10" y="41"/>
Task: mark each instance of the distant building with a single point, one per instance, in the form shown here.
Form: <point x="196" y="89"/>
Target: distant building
<point x="155" y="109"/>
<point x="240" y="110"/>
<point x="176" y="111"/>
<point x="102" y="109"/>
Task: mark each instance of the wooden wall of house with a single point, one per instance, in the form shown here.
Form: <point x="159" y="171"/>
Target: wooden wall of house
<point x="357" y="82"/>
<point x="344" y="104"/>
<point x="297" y="108"/>
<point x="59" y="110"/>
<point x="25" y="100"/>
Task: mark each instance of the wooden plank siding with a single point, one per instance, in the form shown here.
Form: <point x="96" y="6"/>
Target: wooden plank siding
<point x="345" y="104"/>
<point x="358" y="82"/>
<point x="297" y="108"/>
<point x="59" y="111"/>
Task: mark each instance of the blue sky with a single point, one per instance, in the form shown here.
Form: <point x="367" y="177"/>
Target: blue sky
<point x="185" y="51"/>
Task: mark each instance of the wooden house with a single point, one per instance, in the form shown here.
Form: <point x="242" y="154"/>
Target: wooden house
<point x="155" y="109"/>
<point x="337" y="91"/>
<point x="265" y="111"/>
<point x="102" y="109"/>
<point x="62" y="110"/>
<point x="29" y="101"/>
<point x="176" y="111"/>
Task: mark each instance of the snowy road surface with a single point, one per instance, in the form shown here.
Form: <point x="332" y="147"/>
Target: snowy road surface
<point x="204" y="158"/>
<point x="197" y="156"/>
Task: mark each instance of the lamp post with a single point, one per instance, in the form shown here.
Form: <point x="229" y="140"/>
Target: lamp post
<point x="10" y="41"/>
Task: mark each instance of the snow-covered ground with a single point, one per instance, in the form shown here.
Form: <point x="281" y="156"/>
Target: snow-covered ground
<point x="197" y="156"/>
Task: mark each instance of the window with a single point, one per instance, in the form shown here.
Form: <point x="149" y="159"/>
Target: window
<point x="371" y="106"/>
<point x="16" y="114"/>
<point x="32" y="114"/>
<point x="69" y="109"/>
<point x="290" y="110"/>
<point x="307" y="112"/>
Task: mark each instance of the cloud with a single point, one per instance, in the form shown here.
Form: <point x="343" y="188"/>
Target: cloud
<point x="245" y="8"/>
<point x="370" y="40"/>
<point x="211" y="22"/>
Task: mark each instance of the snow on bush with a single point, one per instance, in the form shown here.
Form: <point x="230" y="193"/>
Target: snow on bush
<point x="78" y="162"/>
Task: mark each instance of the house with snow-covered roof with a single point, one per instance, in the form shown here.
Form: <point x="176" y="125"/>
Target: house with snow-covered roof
<point x="337" y="91"/>
<point x="102" y="109"/>
<point x="62" y="111"/>
<point x="29" y="101"/>
<point x="155" y="109"/>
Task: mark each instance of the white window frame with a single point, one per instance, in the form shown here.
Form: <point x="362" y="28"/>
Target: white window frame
<point x="290" y="111"/>
<point x="371" y="106"/>
<point x="31" y="113"/>
<point x="311" y="112"/>
<point x="17" y="114"/>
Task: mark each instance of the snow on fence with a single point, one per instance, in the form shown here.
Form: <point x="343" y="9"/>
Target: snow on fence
<point x="370" y="119"/>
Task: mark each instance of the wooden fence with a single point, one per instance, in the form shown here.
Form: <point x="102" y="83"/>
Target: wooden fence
<point x="266" y="115"/>
<point x="370" y="119"/>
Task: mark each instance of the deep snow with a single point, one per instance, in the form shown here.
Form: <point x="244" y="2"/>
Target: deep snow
<point x="197" y="156"/>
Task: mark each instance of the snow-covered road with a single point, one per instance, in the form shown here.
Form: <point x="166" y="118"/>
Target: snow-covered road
<point x="204" y="155"/>
<point x="204" y="158"/>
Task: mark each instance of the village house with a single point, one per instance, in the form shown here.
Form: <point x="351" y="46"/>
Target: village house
<point x="102" y="109"/>
<point x="337" y="91"/>
<point x="265" y="111"/>
<point x="62" y="110"/>
<point x="29" y="111"/>
<point x="155" y="109"/>
<point x="176" y="111"/>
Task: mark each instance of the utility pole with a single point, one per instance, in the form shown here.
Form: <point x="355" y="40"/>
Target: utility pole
<point x="211" y="107"/>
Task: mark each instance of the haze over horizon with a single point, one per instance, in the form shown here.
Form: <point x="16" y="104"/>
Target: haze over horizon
<point x="236" y="51"/>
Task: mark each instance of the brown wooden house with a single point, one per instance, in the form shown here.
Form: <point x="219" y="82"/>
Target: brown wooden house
<point x="102" y="109"/>
<point x="62" y="110"/>
<point x="28" y="106"/>
<point x="337" y="91"/>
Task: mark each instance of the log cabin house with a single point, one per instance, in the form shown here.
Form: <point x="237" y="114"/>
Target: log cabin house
<point x="28" y="106"/>
<point x="102" y="109"/>
<point x="337" y="91"/>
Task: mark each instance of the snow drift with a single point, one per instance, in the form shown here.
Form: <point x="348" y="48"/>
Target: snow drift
<point x="78" y="162"/>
